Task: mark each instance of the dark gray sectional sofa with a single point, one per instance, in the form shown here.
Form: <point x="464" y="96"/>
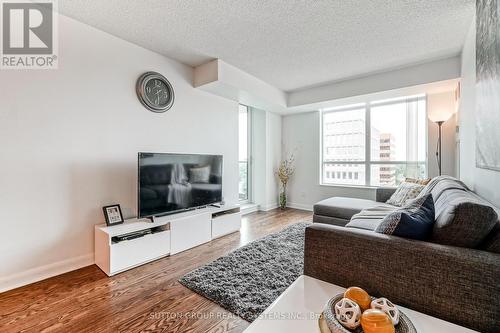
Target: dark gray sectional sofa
<point x="455" y="275"/>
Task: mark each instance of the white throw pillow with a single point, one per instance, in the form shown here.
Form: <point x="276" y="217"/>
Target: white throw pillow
<point x="199" y="175"/>
<point x="404" y="192"/>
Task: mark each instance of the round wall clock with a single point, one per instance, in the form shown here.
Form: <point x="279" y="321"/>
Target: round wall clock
<point x="155" y="92"/>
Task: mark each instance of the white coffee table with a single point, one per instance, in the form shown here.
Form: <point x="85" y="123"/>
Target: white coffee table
<point x="299" y="307"/>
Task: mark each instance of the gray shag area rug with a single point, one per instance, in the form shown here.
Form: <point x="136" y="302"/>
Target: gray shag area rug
<point x="249" y="279"/>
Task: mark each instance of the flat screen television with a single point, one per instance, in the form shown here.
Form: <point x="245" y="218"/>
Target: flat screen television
<point x="169" y="183"/>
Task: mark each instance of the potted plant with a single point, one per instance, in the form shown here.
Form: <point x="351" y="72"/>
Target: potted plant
<point x="284" y="172"/>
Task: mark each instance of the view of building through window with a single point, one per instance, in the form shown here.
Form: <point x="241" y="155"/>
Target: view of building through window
<point x="396" y="147"/>
<point x="344" y="141"/>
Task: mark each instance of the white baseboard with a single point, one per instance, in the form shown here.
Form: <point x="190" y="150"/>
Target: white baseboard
<point x="300" y="206"/>
<point x="249" y="208"/>
<point x="43" y="272"/>
<point x="268" y="207"/>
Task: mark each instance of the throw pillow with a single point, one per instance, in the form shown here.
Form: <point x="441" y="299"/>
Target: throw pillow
<point x="404" y="192"/>
<point x="418" y="180"/>
<point x="414" y="221"/>
<point x="199" y="175"/>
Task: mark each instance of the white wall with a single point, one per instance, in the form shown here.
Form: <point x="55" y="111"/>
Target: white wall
<point x="70" y="139"/>
<point x="485" y="182"/>
<point x="266" y="155"/>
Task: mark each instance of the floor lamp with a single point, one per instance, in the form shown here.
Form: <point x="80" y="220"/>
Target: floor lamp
<point x="438" y="151"/>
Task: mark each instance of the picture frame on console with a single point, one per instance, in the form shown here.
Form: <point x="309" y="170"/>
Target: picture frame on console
<point x="113" y="214"/>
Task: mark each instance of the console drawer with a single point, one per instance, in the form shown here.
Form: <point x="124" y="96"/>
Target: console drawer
<point x="130" y="253"/>
<point x="190" y="231"/>
<point x="225" y="224"/>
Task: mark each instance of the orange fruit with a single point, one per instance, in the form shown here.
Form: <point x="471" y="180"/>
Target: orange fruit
<point x="376" y="321"/>
<point x="359" y="296"/>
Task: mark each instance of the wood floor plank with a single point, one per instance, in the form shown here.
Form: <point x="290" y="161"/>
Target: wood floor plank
<point x="144" y="299"/>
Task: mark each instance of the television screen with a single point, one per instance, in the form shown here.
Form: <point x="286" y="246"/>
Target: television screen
<point x="174" y="182"/>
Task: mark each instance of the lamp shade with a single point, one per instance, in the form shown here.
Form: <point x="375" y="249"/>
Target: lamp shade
<point x="440" y="115"/>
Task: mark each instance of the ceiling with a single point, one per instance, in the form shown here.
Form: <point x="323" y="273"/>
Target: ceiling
<point x="289" y="44"/>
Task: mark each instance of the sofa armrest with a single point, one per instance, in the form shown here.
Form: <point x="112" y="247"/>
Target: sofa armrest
<point x="382" y="194"/>
<point x="459" y="285"/>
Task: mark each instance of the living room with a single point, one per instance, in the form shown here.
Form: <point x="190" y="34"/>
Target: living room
<point x="257" y="166"/>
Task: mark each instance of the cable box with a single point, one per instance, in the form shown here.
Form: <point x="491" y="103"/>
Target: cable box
<point x="131" y="235"/>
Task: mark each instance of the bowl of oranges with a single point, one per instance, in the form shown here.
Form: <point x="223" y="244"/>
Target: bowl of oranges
<point x="355" y="311"/>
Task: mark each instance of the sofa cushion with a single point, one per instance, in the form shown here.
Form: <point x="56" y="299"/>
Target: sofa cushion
<point x="463" y="223"/>
<point x="414" y="220"/>
<point x="156" y="174"/>
<point x="329" y="220"/>
<point x="148" y="194"/>
<point x="342" y="207"/>
<point x="383" y="193"/>
<point x="441" y="184"/>
<point x="492" y="241"/>
<point x="462" y="217"/>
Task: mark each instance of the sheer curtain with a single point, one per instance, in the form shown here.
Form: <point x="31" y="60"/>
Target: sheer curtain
<point x="416" y="131"/>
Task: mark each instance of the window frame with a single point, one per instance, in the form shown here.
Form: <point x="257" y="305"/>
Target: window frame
<point x="249" y="156"/>
<point x="367" y="105"/>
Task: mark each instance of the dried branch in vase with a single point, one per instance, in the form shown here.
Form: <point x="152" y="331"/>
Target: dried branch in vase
<point x="284" y="172"/>
<point x="286" y="169"/>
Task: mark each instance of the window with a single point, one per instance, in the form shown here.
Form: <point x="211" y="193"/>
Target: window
<point x="374" y="143"/>
<point x="244" y="153"/>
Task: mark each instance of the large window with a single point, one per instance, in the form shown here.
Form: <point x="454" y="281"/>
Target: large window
<point x="374" y="144"/>
<point x="244" y="153"/>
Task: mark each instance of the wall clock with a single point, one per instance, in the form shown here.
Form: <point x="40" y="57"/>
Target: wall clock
<point x="155" y="92"/>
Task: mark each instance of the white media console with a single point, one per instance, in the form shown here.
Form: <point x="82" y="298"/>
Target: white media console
<point x="168" y="235"/>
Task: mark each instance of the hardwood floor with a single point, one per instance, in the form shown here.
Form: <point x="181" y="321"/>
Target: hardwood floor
<point x="144" y="299"/>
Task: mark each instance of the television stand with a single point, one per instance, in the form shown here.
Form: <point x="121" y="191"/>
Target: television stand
<point x="136" y="242"/>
